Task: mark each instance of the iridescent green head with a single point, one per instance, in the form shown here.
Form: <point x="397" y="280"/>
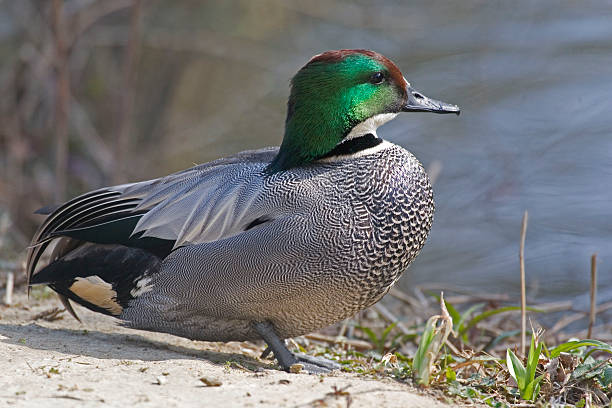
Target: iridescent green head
<point x="341" y="95"/>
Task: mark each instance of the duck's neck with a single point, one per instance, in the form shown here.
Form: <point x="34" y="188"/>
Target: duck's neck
<point x="306" y="141"/>
<point x="311" y="131"/>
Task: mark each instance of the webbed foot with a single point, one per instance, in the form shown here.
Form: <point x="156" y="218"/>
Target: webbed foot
<point x="316" y="365"/>
<point x="289" y="361"/>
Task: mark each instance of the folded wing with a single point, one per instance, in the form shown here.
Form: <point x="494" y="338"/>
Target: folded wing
<point x="202" y="204"/>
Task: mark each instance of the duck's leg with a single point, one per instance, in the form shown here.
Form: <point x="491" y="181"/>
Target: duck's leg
<point x="286" y="358"/>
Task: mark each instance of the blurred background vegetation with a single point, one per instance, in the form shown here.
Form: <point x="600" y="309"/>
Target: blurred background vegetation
<point x="95" y="92"/>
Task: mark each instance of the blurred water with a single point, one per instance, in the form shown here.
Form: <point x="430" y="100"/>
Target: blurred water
<point x="535" y="86"/>
<point x="534" y="81"/>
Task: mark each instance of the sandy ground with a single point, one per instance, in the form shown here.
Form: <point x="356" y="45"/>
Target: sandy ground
<point x="64" y="363"/>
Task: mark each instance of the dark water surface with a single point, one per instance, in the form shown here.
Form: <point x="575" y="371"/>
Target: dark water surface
<point x="534" y="81"/>
<point x="535" y="86"/>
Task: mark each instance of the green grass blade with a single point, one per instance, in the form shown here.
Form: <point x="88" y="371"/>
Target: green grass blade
<point x="545" y="350"/>
<point x="500" y="338"/>
<point x="517" y="371"/>
<point x="527" y="393"/>
<point x="533" y="358"/>
<point x="467" y="314"/>
<point x="532" y="389"/>
<point x="484" y="315"/>
<point x="607" y="350"/>
<point x="420" y="363"/>
<point x="385" y="333"/>
<point x="371" y="335"/>
<point x="434" y="336"/>
<point x="573" y="345"/>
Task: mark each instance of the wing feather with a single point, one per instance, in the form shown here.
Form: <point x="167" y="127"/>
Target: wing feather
<point x="202" y="204"/>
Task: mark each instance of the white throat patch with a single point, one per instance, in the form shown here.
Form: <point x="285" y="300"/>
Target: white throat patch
<point x="369" y="126"/>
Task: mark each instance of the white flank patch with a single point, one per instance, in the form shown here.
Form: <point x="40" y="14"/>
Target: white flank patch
<point x="142" y="286"/>
<point x="98" y="292"/>
<point x="369" y="126"/>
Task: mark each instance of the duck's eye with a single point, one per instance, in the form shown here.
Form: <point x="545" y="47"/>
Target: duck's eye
<point x="377" y="78"/>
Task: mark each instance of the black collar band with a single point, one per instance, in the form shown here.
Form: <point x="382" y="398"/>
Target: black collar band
<point x="354" y="145"/>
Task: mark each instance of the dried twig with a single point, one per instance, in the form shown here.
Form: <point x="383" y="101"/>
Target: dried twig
<point x="356" y="344"/>
<point x="8" y="295"/>
<point x="603" y="307"/>
<point x="561" y="306"/>
<point x="409" y="300"/>
<point x="593" y="311"/>
<point x="50" y="314"/>
<point x="390" y="318"/>
<point x="468" y="295"/>
<point x="87" y="16"/>
<point x="603" y="333"/>
<point x="92" y="143"/>
<point x="523" y="294"/>
<point x="343" y="328"/>
<point x="126" y="94"/>
<point x="565" y="321"/>
<point x="61" y="102"/>
<point x="569" y="319"/>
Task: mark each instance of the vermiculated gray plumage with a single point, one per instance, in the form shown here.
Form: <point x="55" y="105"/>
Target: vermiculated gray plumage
<point x="301" y="248"/>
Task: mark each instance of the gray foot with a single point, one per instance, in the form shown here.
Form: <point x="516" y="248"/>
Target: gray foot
<point x="286" y="359"/>
<point x="316" y="365"/>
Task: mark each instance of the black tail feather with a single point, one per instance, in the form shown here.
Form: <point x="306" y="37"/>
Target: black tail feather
<point x="103" y="278"/>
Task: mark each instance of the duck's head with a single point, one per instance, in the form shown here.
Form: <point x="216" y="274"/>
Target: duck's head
<point x="343" y="95"/>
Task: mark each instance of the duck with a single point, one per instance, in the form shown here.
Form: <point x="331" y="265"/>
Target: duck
<point x="266" y="244"/>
